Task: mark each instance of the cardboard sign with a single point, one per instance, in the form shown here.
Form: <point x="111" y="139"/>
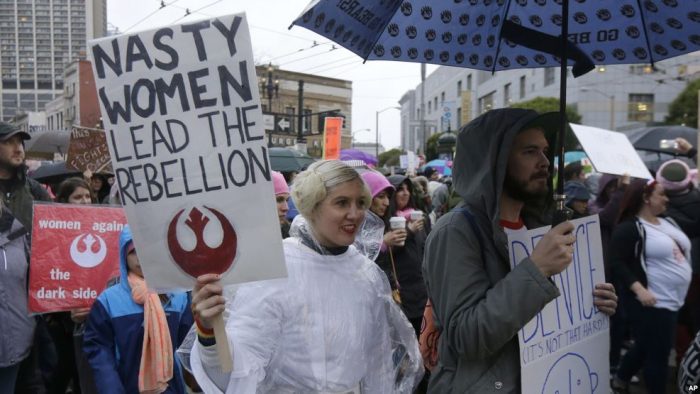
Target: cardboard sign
<point x="186" y="134"/>
<point x="88" y="150"/>
<point x="331" y="138"/>
<point x="610" y="152"/>
<point x="565" y="347"/>
<point x="75" y="252"/>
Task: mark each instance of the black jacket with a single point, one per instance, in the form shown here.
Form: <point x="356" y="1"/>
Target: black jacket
<point x="627" y="256"/>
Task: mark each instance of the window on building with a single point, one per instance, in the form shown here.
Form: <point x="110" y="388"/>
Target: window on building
<point x="459" y="88"/>
<point x="469" y="82"/>
<point x="442" y="98"/>
<point x="486" y="102"/>
<point x="549" y="75"/>
<point x="292" y="124"/>
<point x="435" y="103"/>
<point x="640" y="108"/>
<point x="507" y="100"/>
<point x="418" y="113"/>
<point x="459" y="117"/>
<point x="522" y="87"/>
<point x="430" y="104"/>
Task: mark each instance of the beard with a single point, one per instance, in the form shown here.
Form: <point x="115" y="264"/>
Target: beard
<point x="9" y="165"/>
<point x="518" y="189"/>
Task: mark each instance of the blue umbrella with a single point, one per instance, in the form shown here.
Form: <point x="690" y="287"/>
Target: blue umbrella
<point x="508" y="34"/>
<point x="444" y="167"/>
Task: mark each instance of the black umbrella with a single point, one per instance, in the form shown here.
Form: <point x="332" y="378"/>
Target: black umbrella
<point x="649" y="138"/>
<point x="53" y="173"/>
<point x="49" y="142"/>
<point x="508" y="34"/>
<point x="287" y="160"/>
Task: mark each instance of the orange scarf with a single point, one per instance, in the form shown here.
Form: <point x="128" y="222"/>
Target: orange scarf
<point x="157" y="353"/>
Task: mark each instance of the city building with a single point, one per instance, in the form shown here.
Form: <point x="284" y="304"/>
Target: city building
<point x="618" y="97"/>
<point x="279" y="94"/>
<point x="80" y="104"/>
<point x="38" y="39"/>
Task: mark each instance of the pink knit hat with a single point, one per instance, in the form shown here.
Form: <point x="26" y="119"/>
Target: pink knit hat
<point x="674" y="175"/>
<point x="279" y="183"/>
<point x="376" y="182"/>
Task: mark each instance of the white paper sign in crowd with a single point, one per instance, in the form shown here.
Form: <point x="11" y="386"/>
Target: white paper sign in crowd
<point x="610" y="152"/>
<point x="565" y="347"/>
<point x="185" y="130"/>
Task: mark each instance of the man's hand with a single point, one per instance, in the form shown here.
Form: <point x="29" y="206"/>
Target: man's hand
<point x="604" y="298"/>
<point x="555" y="250"/>
<point x="683" y="145"/>
<point x="207" y="299"/>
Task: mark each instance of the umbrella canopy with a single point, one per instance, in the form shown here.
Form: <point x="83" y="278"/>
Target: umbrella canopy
<point x="444" y="167"/>
<point x="355" y="154"/>
<point x="48" y="142"/>
<point x="648" y="138"/>
<point x="507" y="34"/>
<point x="53" y="173"/>
<point x="287" y="160"/>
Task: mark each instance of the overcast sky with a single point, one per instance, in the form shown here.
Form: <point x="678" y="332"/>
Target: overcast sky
<point x="376" y="84"/>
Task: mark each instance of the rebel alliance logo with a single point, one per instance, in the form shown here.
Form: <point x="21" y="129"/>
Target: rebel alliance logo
<point x="203" y="258"/>
<point x="88" y="257"/>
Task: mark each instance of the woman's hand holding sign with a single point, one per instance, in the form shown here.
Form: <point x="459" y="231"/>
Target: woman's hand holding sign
<point x="208" y="301"/>
<point x="208" y="305"/>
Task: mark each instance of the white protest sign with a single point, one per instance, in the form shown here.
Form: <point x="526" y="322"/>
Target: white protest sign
<point x="185" y="130"/>
<point x="403" y="161"/>
<point x="565" y="347"/>
<point x="610" y="152"/>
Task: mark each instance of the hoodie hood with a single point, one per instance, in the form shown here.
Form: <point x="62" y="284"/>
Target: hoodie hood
<point x="483" y="147"/>
<point x="124" y="239"/>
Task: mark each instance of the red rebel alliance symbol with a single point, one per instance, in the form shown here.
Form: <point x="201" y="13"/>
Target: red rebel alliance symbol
<point x="203" y="259"/>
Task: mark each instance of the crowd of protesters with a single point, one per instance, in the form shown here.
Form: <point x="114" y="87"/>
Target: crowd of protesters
<point x="347" y="320"/>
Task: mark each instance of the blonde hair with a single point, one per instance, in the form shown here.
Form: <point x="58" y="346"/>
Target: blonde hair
<point x="312" y="186"/>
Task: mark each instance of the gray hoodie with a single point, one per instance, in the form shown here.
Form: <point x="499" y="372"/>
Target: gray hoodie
<point x="478" y="301"/>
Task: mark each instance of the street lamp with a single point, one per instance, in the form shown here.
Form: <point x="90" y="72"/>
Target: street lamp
<point x="611" y="97"/>
<point x="376" y="129"/>
<point x="352" y="135"/>
<point x="271" y="86"/>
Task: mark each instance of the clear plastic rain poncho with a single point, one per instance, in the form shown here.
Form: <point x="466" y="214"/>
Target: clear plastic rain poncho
<point x="330" y="327"/>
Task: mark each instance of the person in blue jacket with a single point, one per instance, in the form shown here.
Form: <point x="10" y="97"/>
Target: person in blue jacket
<point x="114" y="332"/>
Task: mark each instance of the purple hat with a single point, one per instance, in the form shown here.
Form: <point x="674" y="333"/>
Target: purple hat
<point x="279" y="183"/>
<point x="376" y="182"/>
<point x="674" y="175"/>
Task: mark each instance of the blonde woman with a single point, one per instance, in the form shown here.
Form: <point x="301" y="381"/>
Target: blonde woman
<point x="331" y="326"/>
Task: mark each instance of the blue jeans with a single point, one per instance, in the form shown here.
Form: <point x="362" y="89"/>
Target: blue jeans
<point x="8" y="377"/>
<point x="653" y="330"/>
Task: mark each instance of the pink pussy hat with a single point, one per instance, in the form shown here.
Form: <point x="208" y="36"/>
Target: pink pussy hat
<point x="279" y="183"/>
<point x="376" y="182"/>
<point x="674" y="175"/>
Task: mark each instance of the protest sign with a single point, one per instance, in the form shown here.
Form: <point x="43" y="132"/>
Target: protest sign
<point x="88" y="150"/>
<point x="185" y="131"/>
<point x="610" y="152"/>
<point x="75" y="252"/>
<point x="331" y="137"/>
<point x="565" y="347"/>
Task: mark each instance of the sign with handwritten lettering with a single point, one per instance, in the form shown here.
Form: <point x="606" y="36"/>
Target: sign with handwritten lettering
<point x="185" y="130"/>
<point x="565" y="347"/>
<point x="610" y="152"/>
<point x="88" y="150"/>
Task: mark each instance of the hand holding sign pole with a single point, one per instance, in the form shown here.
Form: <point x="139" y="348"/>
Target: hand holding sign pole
<point x="203" y="260"/>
